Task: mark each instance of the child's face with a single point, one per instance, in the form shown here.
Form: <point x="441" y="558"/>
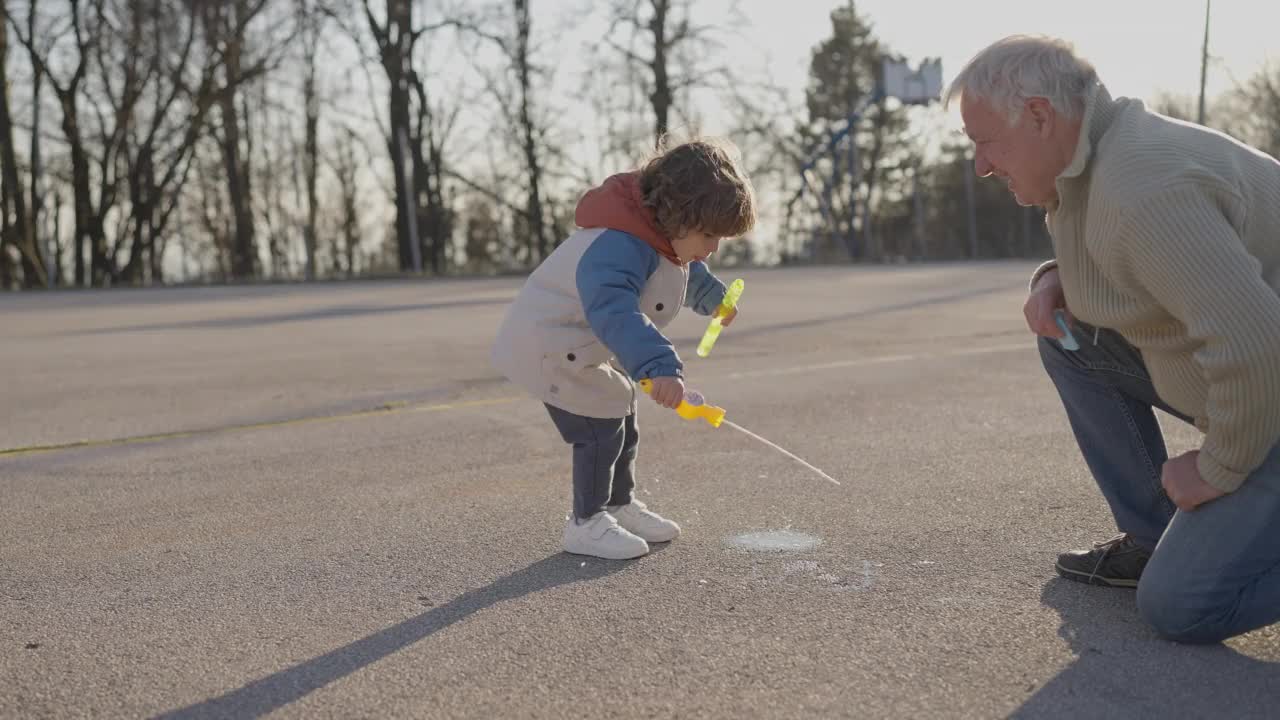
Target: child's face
<point x="695" y="245"/>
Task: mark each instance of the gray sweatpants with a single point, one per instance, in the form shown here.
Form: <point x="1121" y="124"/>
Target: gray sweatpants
<point x="604" y="459"/>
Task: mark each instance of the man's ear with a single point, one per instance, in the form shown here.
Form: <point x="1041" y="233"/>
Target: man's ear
<point x="1042" y="116"/>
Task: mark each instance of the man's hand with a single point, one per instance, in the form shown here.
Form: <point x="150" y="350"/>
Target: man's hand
<point x="667" y="391"/>
<point x="1182" y="482"/>
<point x="1045" y="298"/>
<point x="728" y="317"/>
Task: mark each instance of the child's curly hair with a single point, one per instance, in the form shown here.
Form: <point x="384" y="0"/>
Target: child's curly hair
<point x="699" y="186"/>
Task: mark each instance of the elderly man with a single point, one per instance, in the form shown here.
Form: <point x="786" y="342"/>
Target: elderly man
<point x="1167" y="237"/>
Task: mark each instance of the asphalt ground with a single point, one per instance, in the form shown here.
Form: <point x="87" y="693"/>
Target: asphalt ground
<point x="321" y="501"/>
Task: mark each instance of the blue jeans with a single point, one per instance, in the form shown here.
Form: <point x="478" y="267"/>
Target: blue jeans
<point x="1215" y="571"/>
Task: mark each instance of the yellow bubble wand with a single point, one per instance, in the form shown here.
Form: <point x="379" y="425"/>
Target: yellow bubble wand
<point x="713" y="329"/>
<point x="693" y="405"/>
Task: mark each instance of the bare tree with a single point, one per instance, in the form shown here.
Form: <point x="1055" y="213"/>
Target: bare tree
<point x="225" y="27"/>
<point x="482" y="231"/>
<point x="213" y="216"/>
<point x="512" y="90"/>
<point x="1181" y="107"/>
<point x="395" y="40"/>
<point x="763" y="122"/>
<point x="37" y="166"/>
<point x="435" y="218"/>
<point x="1252" y="111"/>
<point x="265" y="129"/>
<point x="415" y="139"/>
<point x="311" y="19"/>
<point x="13" y="232"/>
<point x="188" y="83"/>
<point x="21" y="232"/>
<point x="345" y="169"/>
<point x="67" y="90"/>
<point x="6" y="261"/>
<point x="137" y="148"/>
<point x="656" y="34"/>
<point x="120" y="55"/>
<point x="520" y="57"/>
<point x="133" y="113"/>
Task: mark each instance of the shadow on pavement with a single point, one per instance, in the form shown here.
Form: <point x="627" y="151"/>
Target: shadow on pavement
<point x="1124" y="670"/>
<point x="273" y="692"/>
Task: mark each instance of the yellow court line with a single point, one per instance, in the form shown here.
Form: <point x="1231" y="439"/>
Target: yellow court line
<point x="387" y="409"/>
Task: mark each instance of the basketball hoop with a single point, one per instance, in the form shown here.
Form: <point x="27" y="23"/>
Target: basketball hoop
<point x="913" y="87"/>
<point x="920" y="86"/>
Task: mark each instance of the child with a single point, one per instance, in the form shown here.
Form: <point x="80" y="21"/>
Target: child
<point x="587" y="324"/>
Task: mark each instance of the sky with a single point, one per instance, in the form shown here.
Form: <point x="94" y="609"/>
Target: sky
<point x="1141" y="47"/>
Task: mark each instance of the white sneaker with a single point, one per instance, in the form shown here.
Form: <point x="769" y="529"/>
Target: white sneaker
<point x="601" y="536"/>
<point x="636" y="518"/>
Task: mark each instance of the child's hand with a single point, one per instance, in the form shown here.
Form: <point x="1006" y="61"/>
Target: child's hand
<point x="667" y="391"/>
<point x="729" y="316"/>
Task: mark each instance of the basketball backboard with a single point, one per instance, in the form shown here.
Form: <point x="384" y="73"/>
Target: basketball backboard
<point x="920" y="86"/>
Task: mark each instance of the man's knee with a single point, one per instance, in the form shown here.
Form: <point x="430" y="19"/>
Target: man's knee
<point x="1180" y="617"/>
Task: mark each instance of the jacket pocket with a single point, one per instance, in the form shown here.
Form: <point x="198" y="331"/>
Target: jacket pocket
<point x="581" y="380"/>
<point x="580" y="357"/>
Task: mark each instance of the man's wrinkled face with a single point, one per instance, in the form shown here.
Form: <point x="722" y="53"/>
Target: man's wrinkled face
<point x="1022" y="154"/>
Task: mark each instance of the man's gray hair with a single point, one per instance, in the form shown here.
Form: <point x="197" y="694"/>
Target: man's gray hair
<point x="1011" y="71"/>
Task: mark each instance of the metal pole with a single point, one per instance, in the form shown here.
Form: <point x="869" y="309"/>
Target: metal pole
<point x="857" y="234"/>
<point x="1026" y="232"/>
<point x="973" y="213"/>
<point x="917" y="201"/>
<point x="828" y="192"/>
<point x="855" y="178"/>
<point x="1204" y="61"/>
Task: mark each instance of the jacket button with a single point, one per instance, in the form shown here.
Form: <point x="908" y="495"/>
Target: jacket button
<point x="659" y="308"/>
<point x="572" y="357"/>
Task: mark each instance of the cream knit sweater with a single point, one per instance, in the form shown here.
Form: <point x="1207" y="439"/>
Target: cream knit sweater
<point x="1169" y="233"/>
